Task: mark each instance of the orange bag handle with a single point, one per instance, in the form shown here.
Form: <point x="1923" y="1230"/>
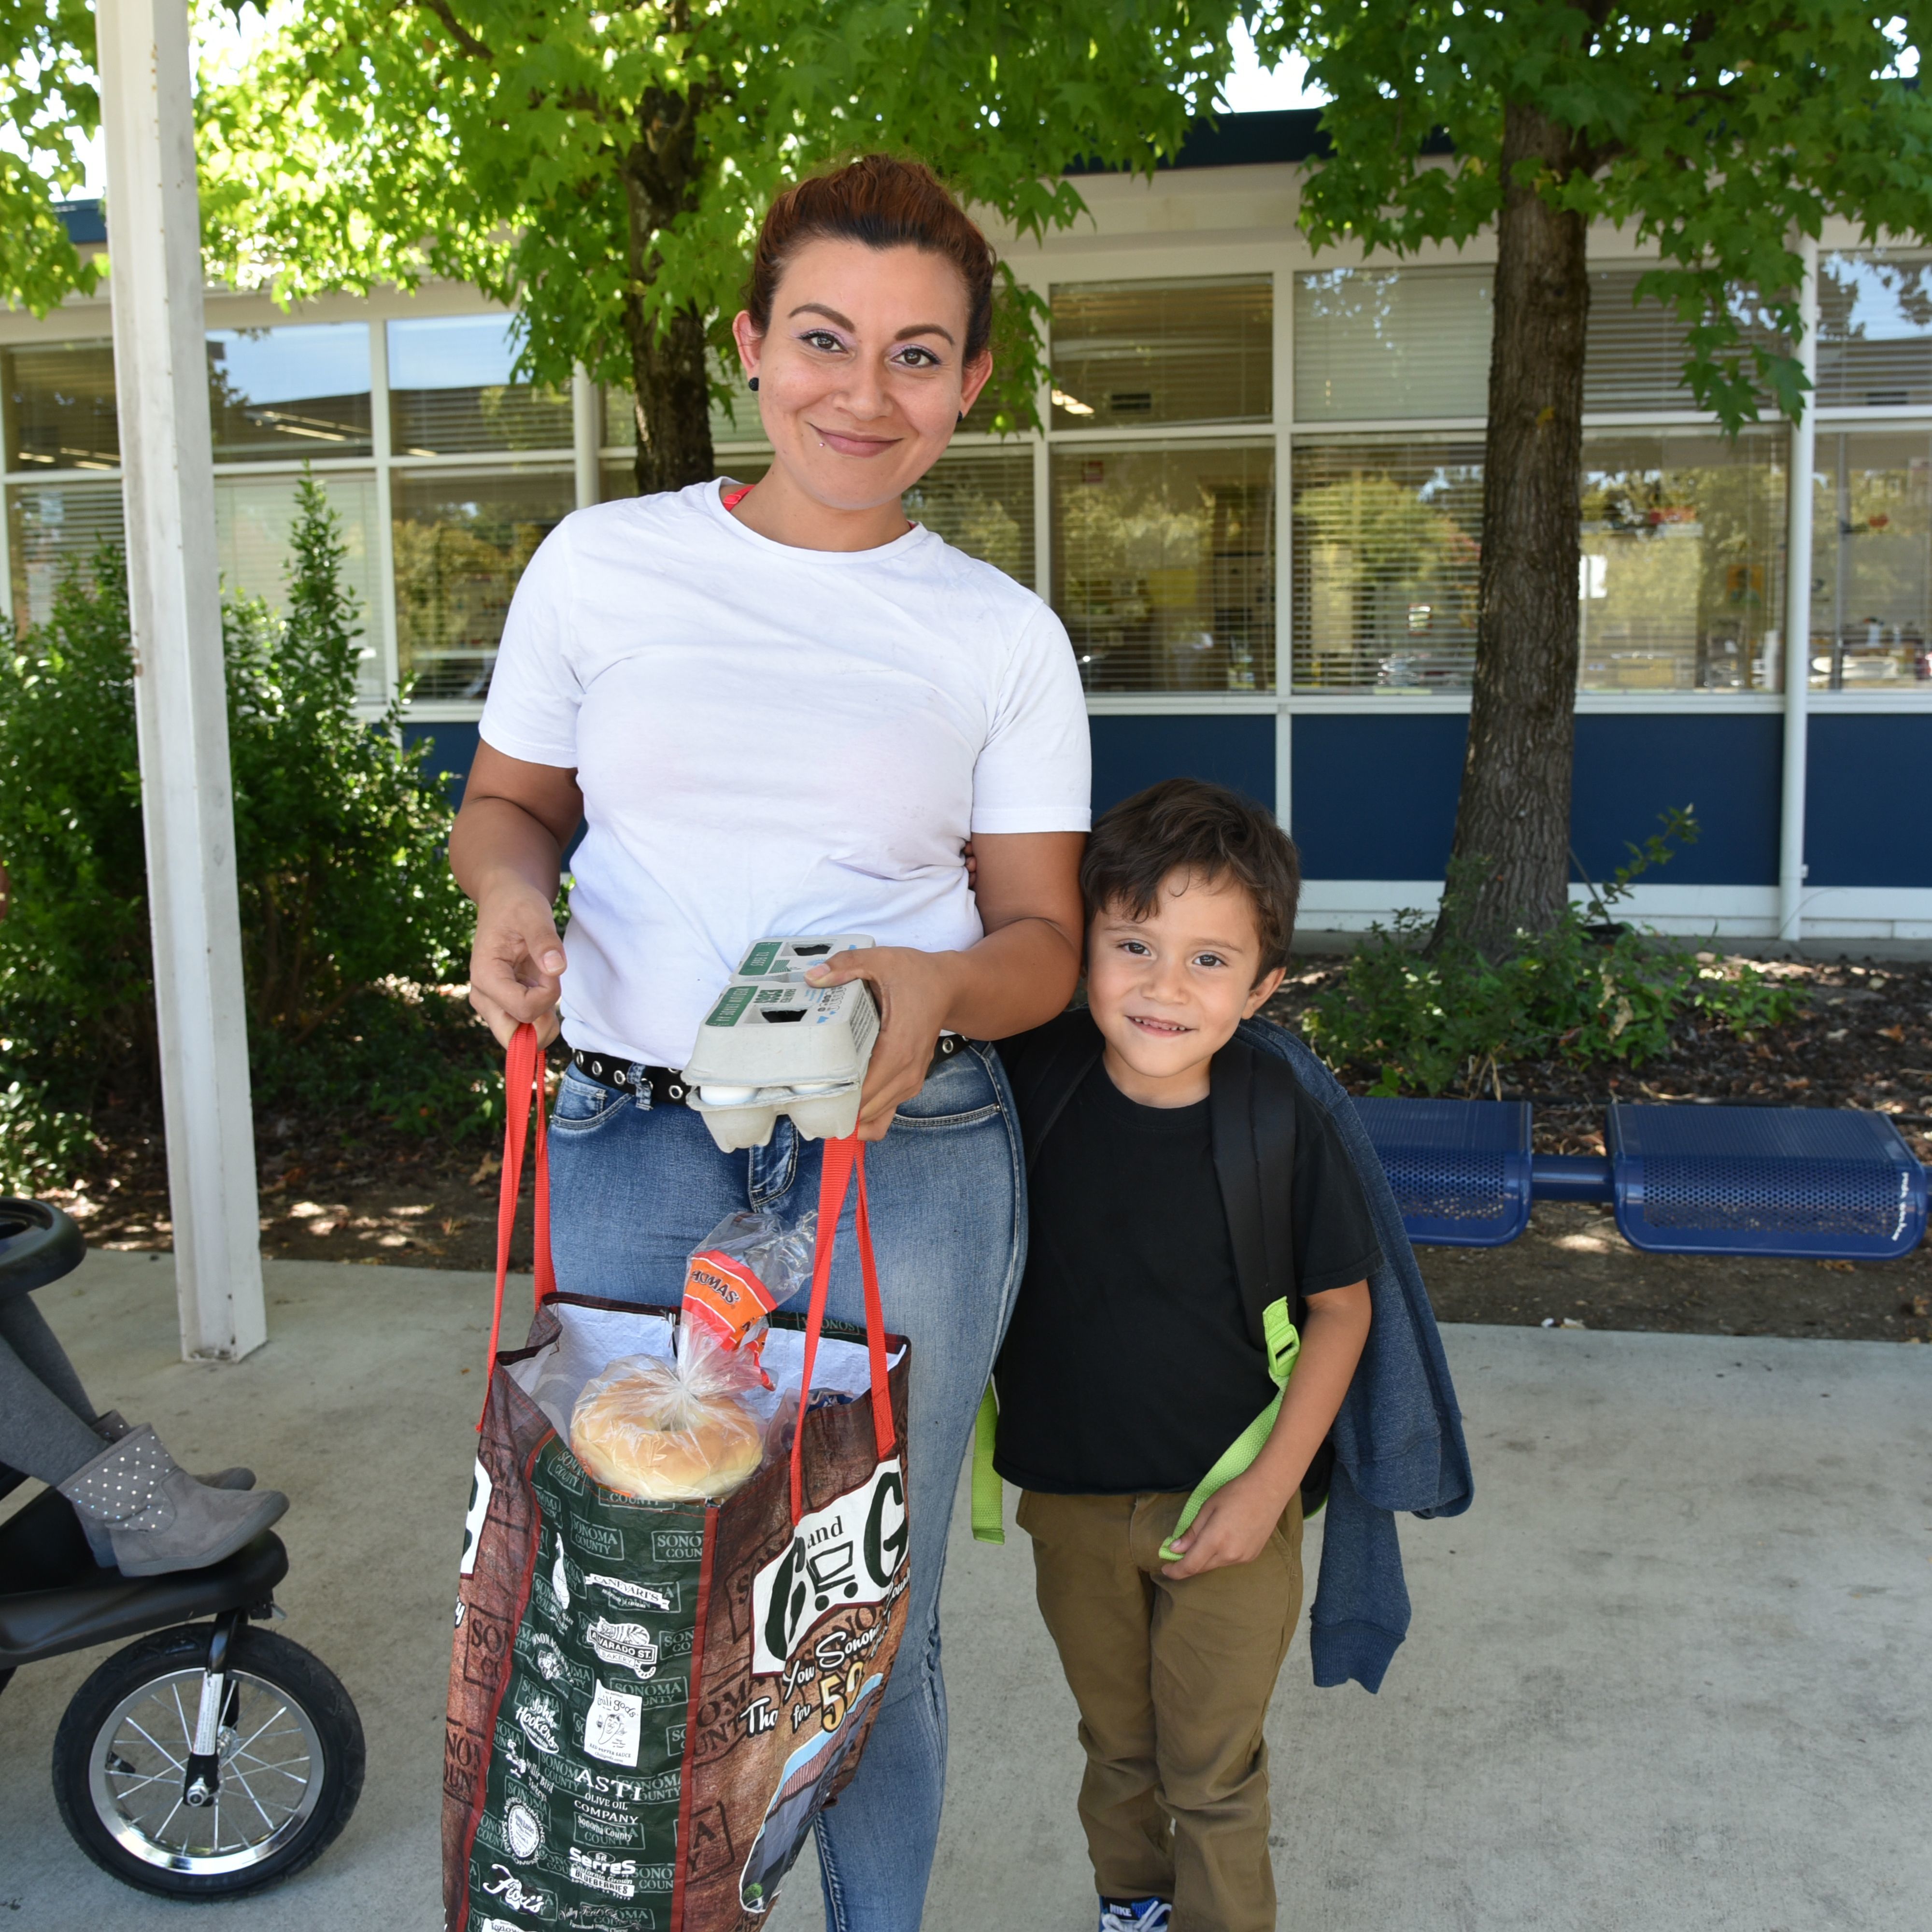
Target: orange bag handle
<point x="523" y="1080"/>
<point x="844" y="1159"/>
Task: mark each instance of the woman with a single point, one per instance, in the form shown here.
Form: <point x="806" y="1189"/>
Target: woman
<point x="786" y="710"/>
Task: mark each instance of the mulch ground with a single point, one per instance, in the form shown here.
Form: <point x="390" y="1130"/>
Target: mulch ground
<point x="352" y="1192"/>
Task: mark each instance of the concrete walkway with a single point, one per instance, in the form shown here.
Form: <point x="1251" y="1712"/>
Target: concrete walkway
<point x="1671" y="1672"/>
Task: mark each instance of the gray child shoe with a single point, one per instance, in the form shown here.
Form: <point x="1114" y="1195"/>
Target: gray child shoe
<point x="110" y="1425"/>
<point x="158" y="1518"/>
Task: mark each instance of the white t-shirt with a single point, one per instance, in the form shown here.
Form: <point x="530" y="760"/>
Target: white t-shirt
<point x="773" y="740"/>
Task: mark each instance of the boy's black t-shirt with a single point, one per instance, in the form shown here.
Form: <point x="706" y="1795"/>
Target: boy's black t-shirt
<point x="1129" y="1367"/>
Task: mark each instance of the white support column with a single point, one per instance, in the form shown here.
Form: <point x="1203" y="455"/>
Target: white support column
<point x="161" y="366"/>
<point x="586" y="437"/>
<point x="1797" y="618"/>
<point x="1284" y="538"/>
<point x="381" y="449"/>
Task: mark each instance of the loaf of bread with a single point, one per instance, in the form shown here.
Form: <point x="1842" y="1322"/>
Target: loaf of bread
<point x="640" y="1428"/>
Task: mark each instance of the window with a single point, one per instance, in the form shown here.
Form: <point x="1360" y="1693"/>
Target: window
<point x="1635" y="354"/>
<point x="981" y="502"/>
<point x="1871" y="559"/>
<point x="300" y="391"/>
<point x="460" y="543"/>
<point x="52" y="529"/>
<point x="60" y="407"/>
<point x="737" y="424"/>
<point x="1374" y="344"/>
<point x="1680" y="584"/>
<point x="620" y="479"/>
<point x="1126" y="354"/>
<point x="1681" y="581"/>
<point x="253" y="517"/>
<point x="1163" y="565"/>
<point x="1378" y="344"/>
<point x="1874" y="331"/>
<point x="1386" y="549"/>
<point x="450" y="391"/>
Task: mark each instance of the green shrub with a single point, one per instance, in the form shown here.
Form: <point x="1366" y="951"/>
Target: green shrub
<point x="347" y="905"/>
<point x="1589" y="990"/>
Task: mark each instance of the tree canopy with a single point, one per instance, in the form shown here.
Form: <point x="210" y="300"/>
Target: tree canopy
<point x="1716" y="136"/>
<point x="605" y="170"/>
<point x="49" y="104"/>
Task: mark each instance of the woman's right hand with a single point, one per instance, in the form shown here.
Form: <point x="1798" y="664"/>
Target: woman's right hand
<point x="517" y="964"/>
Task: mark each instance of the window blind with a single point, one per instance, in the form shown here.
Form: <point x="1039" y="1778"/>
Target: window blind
<point x="1680" y="587"/>
<point x="450" y="391"/>
<point x="254" y="519"/>
<point x="460" y="542"/>
<point x="301" y="390"/>
<point x="737" y="423"/>
<point x="1372" y="344"/>
<point x="1634" y="356"/>
<point x="1871" y="603"/>
<point x="51" y="530"/>
<point x="981" y="502"/>
<point x="1164" y="565"/>
<point x="1130" y="353"/>
<point x="1378" y="344"/>
<point x="61" y="405"/>
<point x="1874" y="330"/>
<point x="1386" y="549"/>
<point x="1683" y="577"/>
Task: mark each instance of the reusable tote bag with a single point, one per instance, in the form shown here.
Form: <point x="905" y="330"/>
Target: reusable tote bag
<point x="650" y="1702"/>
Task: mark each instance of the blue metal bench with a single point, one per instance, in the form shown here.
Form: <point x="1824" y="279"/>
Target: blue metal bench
<point x="1460" y="1168"/>
<point x="1809" y="1183"/>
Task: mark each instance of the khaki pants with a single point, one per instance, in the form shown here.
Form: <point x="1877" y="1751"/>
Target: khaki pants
<point x="1173" y="1681"/>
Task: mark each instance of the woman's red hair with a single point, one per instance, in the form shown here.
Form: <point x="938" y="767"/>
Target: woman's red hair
<point x="885" y="203"/>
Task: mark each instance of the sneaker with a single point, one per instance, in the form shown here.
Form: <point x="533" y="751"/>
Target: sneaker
<point x="1134" y="1914"/>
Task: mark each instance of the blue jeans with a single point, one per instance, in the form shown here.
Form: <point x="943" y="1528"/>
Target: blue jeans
<point x="634" y="1188"/>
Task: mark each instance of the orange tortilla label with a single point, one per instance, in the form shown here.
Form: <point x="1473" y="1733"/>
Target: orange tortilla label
<point x="725" y="1295"/>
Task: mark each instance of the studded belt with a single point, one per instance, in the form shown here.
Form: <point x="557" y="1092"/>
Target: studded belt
<point x="666" y="1085"/>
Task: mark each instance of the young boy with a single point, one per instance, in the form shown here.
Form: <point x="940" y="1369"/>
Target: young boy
<point x="1180" y="1181"/>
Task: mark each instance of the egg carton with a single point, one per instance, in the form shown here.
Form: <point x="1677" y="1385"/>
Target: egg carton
<point x="773" y="1044"/>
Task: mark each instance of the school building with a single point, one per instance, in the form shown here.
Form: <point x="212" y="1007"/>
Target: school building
<point x="1255" y="504"/>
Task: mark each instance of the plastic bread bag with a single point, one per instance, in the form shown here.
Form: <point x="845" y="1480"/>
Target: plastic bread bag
<point x="675" y="1431"/>
<point x="744" y="1268"/>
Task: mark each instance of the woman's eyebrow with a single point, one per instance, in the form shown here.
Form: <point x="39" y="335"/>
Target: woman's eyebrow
<point x="845" y="322"/>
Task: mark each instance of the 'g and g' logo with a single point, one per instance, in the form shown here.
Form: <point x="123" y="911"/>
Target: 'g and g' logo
<point x="845" y="1555"/>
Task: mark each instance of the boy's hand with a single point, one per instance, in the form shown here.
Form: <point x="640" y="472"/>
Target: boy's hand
<point x="1233" y="1527"/>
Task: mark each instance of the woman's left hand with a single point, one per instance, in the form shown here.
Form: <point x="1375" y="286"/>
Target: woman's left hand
<point x="916" y="992"/>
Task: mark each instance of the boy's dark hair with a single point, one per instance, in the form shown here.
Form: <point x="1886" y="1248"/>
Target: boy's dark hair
<point x="1188" y="825"/>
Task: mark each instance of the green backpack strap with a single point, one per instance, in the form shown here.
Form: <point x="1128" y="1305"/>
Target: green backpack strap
<point x="987" y="1493"/>
<point x="1284" y="1345"/>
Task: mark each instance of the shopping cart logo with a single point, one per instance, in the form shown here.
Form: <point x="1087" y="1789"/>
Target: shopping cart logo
<point x="845" y="1555"/>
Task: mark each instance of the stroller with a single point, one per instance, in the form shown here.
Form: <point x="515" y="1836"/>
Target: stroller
<point x="207" y="1759"/>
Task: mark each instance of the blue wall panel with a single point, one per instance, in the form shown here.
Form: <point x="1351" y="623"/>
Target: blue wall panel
<point x="1374" y="797"/>
<point x="1131" y="753"/>
<point x="452" y="747"/>
<point x="1865" y="783"/>
<point x="1633" y="767"/>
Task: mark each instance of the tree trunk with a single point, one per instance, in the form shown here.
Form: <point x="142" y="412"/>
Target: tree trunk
<point x="662" y="175"/>
<point x="1509" y="864"/>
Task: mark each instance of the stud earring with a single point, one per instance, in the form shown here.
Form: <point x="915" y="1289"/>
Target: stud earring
<point x="755" y="385"/>
<point x="962" y="415"/>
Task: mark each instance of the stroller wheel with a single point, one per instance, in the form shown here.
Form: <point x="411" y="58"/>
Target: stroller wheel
<point x="288" y="1754"/>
